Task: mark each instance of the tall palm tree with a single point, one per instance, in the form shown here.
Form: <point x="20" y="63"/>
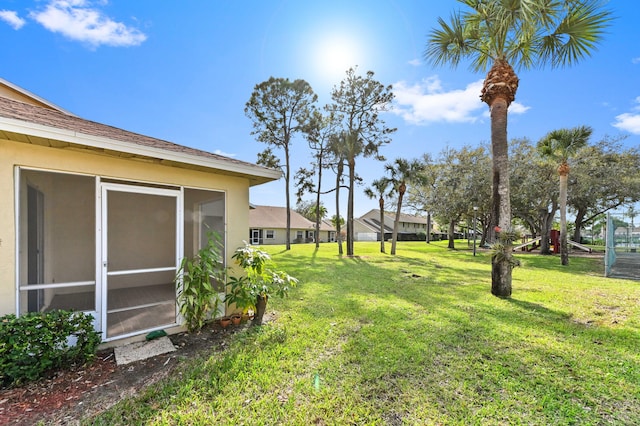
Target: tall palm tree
<point x="379" y="188"/>
<point x="504" y="34"/>
<point x="560" y="146"/>
<point x="359" y="100"/>
<point x="400" y="172"/>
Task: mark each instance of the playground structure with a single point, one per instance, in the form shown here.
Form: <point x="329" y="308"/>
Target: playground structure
<point x="554" y="240"/>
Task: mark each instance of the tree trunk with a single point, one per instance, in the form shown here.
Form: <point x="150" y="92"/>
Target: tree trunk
<point x="501" y="265"/>
<point x="318" y="204"/>
<point x="485" y="232"/>
<point x="286" y="179"/>
<point x="381" y="204"/>
<point x="338" y="226"/>
<point x="261" y="308"/>
<point x="452" y="227"/>
<point x="394" y="239"/>
<point x="352" y="183"/>
<point x="428" y="237"/>
<point x="498" y="91"/>
<point x="564" y="246"/>
<point x="577" y="233"/>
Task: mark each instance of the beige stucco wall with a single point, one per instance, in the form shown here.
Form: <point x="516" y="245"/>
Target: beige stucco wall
<point x="81" y="161"/>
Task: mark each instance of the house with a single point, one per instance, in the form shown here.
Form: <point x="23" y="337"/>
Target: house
<point x="410" y="228"/>
<point x="268" y="225"/>
<point x="97" y="219"/>
<point x="366" y="230"/>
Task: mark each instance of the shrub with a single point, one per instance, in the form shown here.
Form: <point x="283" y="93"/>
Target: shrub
<point x="196" y="279"/>
<point x="260" y="282"/>
<point x="36" y="343"/>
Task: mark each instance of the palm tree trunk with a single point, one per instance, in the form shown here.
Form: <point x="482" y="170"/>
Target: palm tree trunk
<point x="564" y="249"/>
<point x="381" y="204"/>
<point x="352" y="183"/>
<point x="396" y="222"/>
<point x="318" y="205"/>
<point x="340" y="169"/>
<point x="498" y="91"/>
<point x="501" y="265"/>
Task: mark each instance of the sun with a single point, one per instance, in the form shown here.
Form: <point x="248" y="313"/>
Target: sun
<point x="334" y="55"/>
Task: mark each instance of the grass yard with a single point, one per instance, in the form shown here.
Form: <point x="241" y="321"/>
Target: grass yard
<point x="418" y="339"/>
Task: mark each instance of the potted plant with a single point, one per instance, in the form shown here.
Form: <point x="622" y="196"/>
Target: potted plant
<point x="236" y="319"/>
<point x="252" y="291"/>
<point x="196" y="279"/>
<point x="224" y="321"/>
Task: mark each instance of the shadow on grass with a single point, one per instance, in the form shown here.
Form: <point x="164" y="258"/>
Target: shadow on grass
<point x="469" y="354"/>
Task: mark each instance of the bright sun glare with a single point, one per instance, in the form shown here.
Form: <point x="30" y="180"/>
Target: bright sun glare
<point x="334" y="56"/>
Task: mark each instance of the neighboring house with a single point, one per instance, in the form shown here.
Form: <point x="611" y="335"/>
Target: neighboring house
<point x="268" y="225"/>
<point x="410" y="228"/>
<point x="364" y="230"/>
<point x="97" y="219"/>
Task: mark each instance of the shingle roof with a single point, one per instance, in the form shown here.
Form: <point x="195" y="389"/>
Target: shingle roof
<point x="276" y="218"/>
<point x="16" y="110"/>
<point x="407" y="218"/>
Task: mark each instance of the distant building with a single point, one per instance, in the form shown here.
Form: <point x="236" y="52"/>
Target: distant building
<point x="410" y="228"/>
<point x="268" y="225"/>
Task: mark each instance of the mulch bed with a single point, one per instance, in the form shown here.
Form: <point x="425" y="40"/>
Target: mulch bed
<point x="82" y="391"/>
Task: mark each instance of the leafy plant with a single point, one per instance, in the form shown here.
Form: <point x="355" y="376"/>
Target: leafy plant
<point x="196" y="279"/>
<point x="260" y="282"/>
<point x="501" y="250"/>
<point x="36" y="343"/>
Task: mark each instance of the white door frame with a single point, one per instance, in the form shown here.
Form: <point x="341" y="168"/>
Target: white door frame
<point x="255" y="236"/>
<point x="102" y="272"/>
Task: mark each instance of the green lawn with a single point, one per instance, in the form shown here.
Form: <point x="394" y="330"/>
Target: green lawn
<point x="418" y="339"/>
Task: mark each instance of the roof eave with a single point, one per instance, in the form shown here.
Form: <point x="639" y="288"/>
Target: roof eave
<point x="257" y="174"/>
<point x="35" y="97"/>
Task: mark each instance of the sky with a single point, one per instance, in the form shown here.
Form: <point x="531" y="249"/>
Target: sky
<point x="183" y="71"/>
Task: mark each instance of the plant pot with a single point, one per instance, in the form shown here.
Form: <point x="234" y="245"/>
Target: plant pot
<point x="246" y="317"/>
<point x="224" y="322"/>
<point x="236" y="318"/>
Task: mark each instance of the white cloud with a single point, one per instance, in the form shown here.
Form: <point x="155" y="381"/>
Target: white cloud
<point x="629" y="121"/>
<point x="427" y="102"/>
<point x="219" y="152"/>
<point x="79" y="20"/>
<point x="415" y="62"/>
<point x="635" y="61"/>
<point x="518" y="108"/>
<point x="12" y="18"/>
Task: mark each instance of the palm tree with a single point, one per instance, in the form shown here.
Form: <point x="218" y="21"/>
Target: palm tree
<point x="506" y="34"/>
<point x="400" y="172"/>
<point x="319" y="212"/>
<point x="561" y="145"/>
<point x="379" y="188"/>
<point x="358" y="101"/>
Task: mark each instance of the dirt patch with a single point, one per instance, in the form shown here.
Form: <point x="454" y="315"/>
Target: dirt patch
<point x="85" y="390"/>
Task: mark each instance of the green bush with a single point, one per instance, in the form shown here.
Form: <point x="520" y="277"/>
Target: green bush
<point x="260" y="282"/>
<point x="196" y="281"/>
<point x="36" y="343"/>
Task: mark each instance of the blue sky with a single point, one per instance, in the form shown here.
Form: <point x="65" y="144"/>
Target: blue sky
<point x="183" y="71"/>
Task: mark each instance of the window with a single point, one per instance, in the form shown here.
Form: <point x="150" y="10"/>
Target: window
<point x="270" y="234"/>
<point x="57" y="242"/>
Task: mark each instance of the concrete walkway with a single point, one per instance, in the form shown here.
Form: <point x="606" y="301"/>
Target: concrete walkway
<point x="142" y="350"/>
